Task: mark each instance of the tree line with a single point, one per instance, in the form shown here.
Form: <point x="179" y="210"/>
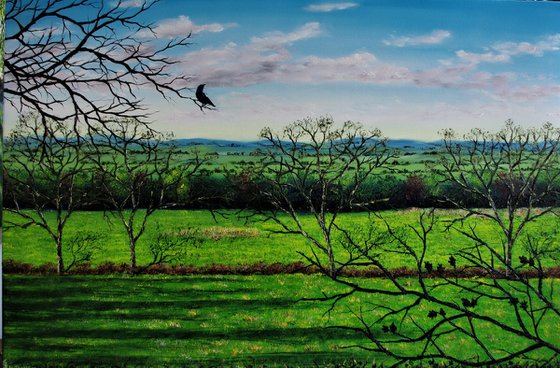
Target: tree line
<point x="242" y="188"/>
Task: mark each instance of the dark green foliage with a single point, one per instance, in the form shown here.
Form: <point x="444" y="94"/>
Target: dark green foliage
<point x="241" y="190"/>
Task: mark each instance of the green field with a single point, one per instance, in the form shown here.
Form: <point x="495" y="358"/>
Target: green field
<point x="230" y="240"/>
<point x="207" y="321"/>
<point x="189" y="321"/>
<point x="227" y="156"/>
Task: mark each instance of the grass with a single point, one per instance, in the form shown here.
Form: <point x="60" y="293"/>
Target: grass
<point x="231" y="241"/>
<point x="220" y="232"/>
<point x="208" y="320"/>
<point x="153" y="321"/>
<point x="195" y="321"/>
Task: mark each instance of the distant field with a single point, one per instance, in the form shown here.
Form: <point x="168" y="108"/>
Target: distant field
<point x="229" y="240"/>
<point x="412" y="156"/>
<point x="190" y="321"/>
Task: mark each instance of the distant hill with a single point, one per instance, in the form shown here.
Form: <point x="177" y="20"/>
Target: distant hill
<point x="404" y="144"/>
<point x="413" y="144"/>
<point x="219" y="143"/>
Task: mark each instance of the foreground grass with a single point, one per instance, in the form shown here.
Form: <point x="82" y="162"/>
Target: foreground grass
<point x="154" y="321"/>
<point x="192" y="321"/>
<point x="231" y="241"/>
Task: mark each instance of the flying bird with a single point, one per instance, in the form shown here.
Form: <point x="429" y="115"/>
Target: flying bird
<point x="201" y="96"/>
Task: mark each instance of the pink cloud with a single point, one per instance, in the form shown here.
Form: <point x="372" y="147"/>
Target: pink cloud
<point x="268" y="59"/>
<point x="530" y="93"/>
<point x="504" y="51"/>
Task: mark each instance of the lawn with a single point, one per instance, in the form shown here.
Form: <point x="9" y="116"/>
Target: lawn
<point x="154" y="321"/>
<point x="231" y="241"/>
<point x="211" y="321"/>
<point x="192" y="321"/>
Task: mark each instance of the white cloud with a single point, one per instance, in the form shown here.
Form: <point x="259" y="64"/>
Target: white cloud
<point x="131" y="3"/>
<point x="433" y="38"/>
<point x="504" y="51"/>
<point x="277" y="39"/>
<point x="182" y="26"/>
<point x="329" y="7"/>
<point x="487" y="57"/>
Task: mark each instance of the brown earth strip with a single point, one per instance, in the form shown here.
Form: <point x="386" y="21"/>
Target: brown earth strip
<point x="108" y="268"/>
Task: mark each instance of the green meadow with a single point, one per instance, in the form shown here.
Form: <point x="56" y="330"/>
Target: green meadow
<point x="201" y="321"/>
<point x="230" y="239"/>
<point x="209" y="321"/>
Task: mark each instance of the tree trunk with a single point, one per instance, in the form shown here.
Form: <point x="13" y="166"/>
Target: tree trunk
<point x="132" y="256"/>
<point x="509" y="251"/>
<point x="332" y="265"/>
<point x="60" y="265"/>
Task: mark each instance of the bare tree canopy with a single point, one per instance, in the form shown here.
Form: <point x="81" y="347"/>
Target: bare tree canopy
<point x="135" y="169"/>
<point x="511" y="169"/>
<point x="44" y="163"/>
<point x="86" y="60"/>
<point x="424" y="317"/>
<point x="322" y="166"/>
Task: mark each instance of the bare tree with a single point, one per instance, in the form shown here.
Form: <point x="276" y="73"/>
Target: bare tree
<point x="86" y="60"/>
<point x="42" y="164"/>
<point x="495" y="317"/>
<point x="135" y="169"/>
<point x="322" y="168"/>
<point x="512" y="169"/>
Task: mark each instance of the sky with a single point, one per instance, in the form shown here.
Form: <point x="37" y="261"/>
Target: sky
<point x="407" y="67"/>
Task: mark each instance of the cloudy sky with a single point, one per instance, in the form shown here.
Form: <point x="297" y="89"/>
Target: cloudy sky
<point x="408" y="67"/>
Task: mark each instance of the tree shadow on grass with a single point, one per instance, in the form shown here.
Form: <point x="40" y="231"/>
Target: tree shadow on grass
<point x="52" y="309"/>
<point x="126" y="347"/>
<point x="295" y="360"/>
<point x="283" y="335"/>
<point x="48" y="315"/>
<point x="284" y="360"/>
<point x="55" y="286"/>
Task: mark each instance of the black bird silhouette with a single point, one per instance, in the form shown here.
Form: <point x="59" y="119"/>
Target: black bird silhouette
<point x="469" y="303"/>
<point x="429" y="266"/>
<point x="452" y="261"/>
<point x="201" y="96"/>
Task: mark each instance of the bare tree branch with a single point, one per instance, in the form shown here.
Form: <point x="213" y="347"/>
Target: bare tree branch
<point x="86" y="60"/>
<point x="423" y="318"/>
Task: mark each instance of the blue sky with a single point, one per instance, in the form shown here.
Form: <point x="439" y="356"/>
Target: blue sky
<point x="407" y="67"/>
